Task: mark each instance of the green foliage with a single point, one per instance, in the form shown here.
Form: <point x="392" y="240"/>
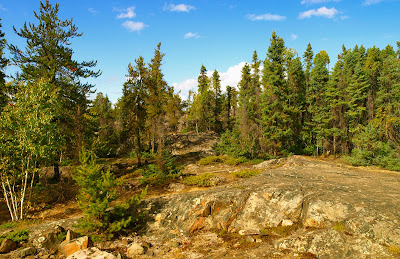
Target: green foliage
<point x="163" y="171"/>
<point x="97" y="191"/>
<point x="202" y="180"/>
<point x="245" y="173"/>
<point x="11" y="224"/>
<point x="371" y="151"/>
<point x="210" y="160"/>
<point x="282" y="231"/>
<point x="17" y="236"/>
<point x="51" y="61"/>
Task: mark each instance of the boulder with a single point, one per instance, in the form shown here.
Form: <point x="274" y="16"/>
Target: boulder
<point x="27" y="251"/>
<point x="75" y="245"/>
<point x="91" y="253"/>
<point x="135" y="249"/>
<point x="7" y="246"/>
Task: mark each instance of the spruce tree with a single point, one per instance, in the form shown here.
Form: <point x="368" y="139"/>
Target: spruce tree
<point x="275" y="120"/>
<point x="217" y="105"/>
<point x="157" y="90"/>
<point x="135" y="112"/>
<point x="316" y="100"/>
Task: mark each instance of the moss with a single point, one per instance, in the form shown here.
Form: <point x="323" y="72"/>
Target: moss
<point x="395" y="250"/>
<point x="246" y="173"/>
<point x="282" y="231"/>
<point x="203" y="180"/>
<point x="339" y="226"/>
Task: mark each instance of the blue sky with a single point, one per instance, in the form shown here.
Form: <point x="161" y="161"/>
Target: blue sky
<point x="220" y="34"/>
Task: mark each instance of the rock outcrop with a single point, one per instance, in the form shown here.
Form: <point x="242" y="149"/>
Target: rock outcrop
<point x="329" y="209"/>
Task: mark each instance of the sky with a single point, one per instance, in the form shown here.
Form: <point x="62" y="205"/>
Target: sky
<point x="218" y="34"/>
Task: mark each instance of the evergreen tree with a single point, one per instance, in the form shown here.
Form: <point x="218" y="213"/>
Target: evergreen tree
<point x="295" y="102"/>
<point x="105" y="139"/>
<point x="217" y="106"/>
<point x="3" y="64"/>
<point x="275" y="119"/>
<point x="135" y="112"/>
<point x="157" y="90"/>
<point x="316" y="100"/>
<point x="48" y="55"/>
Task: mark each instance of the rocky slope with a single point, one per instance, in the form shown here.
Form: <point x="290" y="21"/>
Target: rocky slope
<point x="296" y="208"/>
<point x="303" y="207"/>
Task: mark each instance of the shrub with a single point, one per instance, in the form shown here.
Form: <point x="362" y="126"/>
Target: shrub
<point x="17" y="236"/>
<point x="97" y="191"/>
<point x="203" y="180"/>
<point x="211" y="160"/>
<point x="246" y="173"/>
<point x="164" y="170"/>
<point x="371" y="151"/>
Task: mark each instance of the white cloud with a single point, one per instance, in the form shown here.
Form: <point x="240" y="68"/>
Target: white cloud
<point x="126" y="13"/>
<point x="294" y="36"/>
<point x="92" y="11"/>
<point x="317" y="1"/>
<point x="179" y="8"/>
<point x="371" y="2"/>
<point x="231" y="77"/>
<point x="323" y="11"/>
<point x="191" y="35"/>
<point x="134" y="26"/>
<point x="266" y="17"/>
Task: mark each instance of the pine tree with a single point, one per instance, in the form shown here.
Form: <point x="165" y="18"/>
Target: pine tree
<point x="217" y="105"/>
<point x="48" y="55"/>
<point x="275" y="120"/>
<point x="97" y="191"/>
<point x="3" y="64"/>
<point x="316" y="99"/>
<point x="135" y="111"/>
<point x="157" y="89"/>
<point x="102" y="115"/>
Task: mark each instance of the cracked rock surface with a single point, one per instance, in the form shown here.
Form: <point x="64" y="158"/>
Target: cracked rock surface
<point x="334" y="211"/>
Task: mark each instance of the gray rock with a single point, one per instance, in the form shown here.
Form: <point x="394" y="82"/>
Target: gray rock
<point x="135" y="249"/>
<point x="27" y="251"/>
<point x="91" y="253"/>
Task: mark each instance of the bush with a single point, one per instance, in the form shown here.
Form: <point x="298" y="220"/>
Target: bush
<point x="164" y="170"/>
<point x="211" y="160"/>
<point x="371" y="151"/>
<point x="246" y="173"/>
<point x="203" y="180"/>
<point x="97" y="191"/>
<point x="17" y="236"/>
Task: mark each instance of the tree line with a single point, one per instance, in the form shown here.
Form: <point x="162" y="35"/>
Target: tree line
<point x="286" y="104"/>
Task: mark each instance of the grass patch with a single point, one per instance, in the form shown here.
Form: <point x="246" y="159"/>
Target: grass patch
<point x="203" y="180"/>
<point x="339" y="226"/>
<point x="246" y="173"/>
<point x="282" y="231"/>
<point x="17" y="236"/>
<point x="222" y="159"/>
<point x="7" y="225"/>
<point x="235" y="241"/>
